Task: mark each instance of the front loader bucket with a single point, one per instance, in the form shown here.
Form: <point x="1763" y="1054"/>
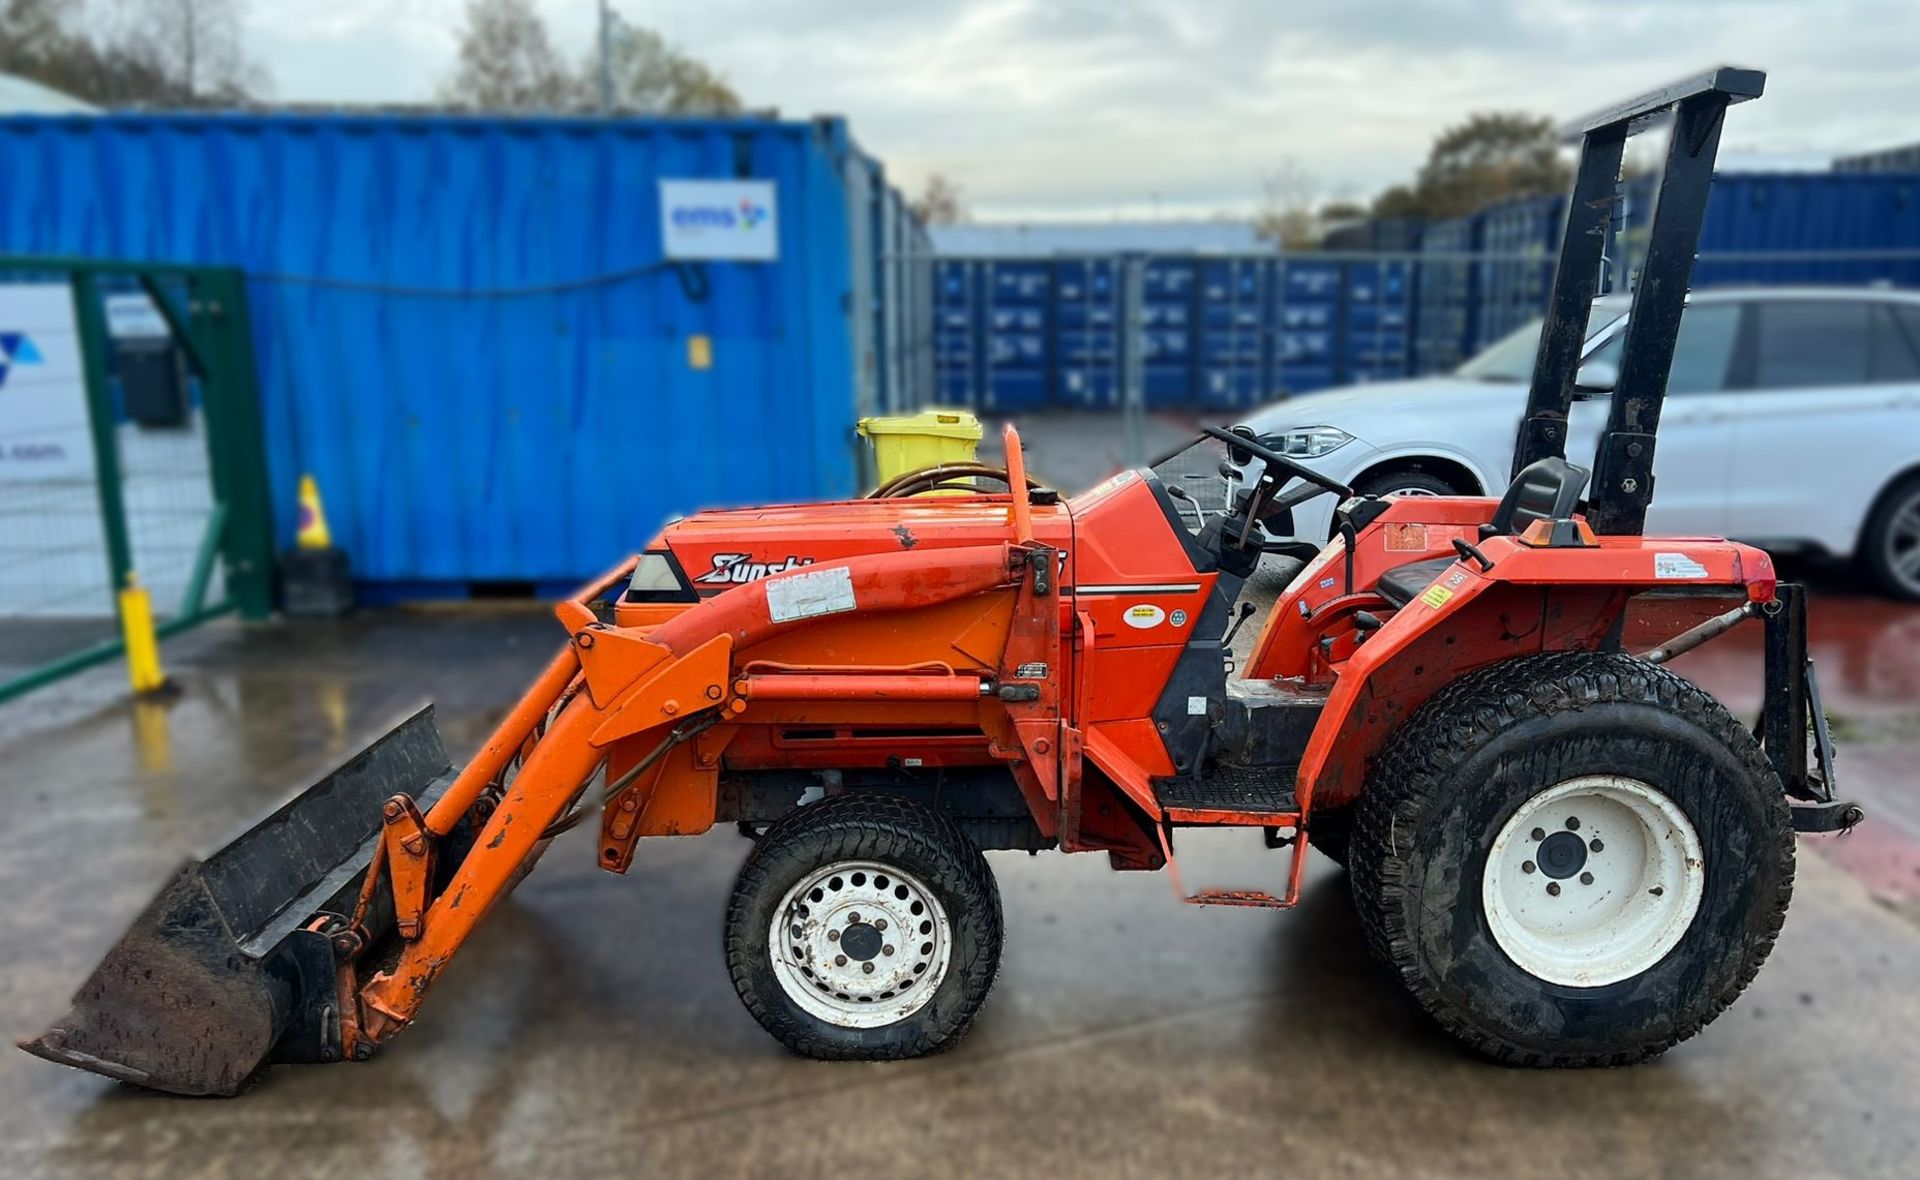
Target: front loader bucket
<point x="219" y="976"/>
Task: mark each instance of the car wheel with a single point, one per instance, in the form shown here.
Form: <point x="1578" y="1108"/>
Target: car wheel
<point x="1891" y="544"/>
<point x="1406" y="483"/>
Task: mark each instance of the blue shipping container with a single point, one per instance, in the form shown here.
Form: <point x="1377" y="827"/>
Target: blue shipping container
<point x="465" y="327"/>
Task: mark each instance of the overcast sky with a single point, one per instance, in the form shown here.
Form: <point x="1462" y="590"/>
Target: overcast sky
<point x="1092" y="108"/>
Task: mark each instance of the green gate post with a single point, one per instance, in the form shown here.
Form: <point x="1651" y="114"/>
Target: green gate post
<point x="236" y="440"/>
<point x="90" y="318"/>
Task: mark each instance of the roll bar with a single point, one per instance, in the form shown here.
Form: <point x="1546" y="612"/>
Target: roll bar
<point x="1623" y="463"/>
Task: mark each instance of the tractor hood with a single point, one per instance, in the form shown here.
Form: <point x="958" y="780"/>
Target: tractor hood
<point x="720" y="549"/>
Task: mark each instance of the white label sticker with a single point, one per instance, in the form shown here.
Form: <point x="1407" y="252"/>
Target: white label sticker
<point x="1677" y="565"/>
<point x="1196" y="706"/>
<point x="808" y="595"/>
<point x="1144" y="616"/>
<point x="738" y="220"/>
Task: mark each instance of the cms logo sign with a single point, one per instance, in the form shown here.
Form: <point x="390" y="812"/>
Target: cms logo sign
<point x="748" y="214"/>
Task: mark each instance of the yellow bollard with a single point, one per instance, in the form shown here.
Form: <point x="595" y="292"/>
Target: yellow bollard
<point x="143" y="646"/>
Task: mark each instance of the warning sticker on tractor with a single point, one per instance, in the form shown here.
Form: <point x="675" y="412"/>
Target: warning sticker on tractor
<point x="1406" y="538"/>
<point x="1144" y="616"/>
<point x="1677" y="565"/>
<point x="809" y="595"/>
<point x="1437" y="596"/>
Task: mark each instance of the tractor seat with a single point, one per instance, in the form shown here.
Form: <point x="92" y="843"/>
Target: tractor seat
<point x="1548" y="489"/>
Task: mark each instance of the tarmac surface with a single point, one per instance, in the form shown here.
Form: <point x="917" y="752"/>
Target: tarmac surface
<point x="590" y="1026"/>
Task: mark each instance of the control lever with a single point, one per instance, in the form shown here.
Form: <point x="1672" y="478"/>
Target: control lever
<point x="1179" y="493"/>
<point x="1246" y="612"/>
<point x="1468" y="551"/>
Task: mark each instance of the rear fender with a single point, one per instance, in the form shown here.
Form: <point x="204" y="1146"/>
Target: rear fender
<point x="1534" y="599"/>
<point x="1423" y="648"/>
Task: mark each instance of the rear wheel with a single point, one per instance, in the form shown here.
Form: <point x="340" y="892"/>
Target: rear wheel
<point x="1891" y="542"/>
<point x="864" y="927"/>
<point x="1574" y="859"/>
<point x="1408" y="482"/>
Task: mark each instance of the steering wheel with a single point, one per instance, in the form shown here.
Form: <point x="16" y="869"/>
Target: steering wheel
<point x="1273" y="458"/>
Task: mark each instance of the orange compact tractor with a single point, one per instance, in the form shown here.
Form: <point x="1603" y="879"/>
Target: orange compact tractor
<point x="1568" y="854"/>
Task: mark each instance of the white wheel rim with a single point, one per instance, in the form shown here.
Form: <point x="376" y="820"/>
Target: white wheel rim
<point x="860" y="944"/>
<point x="1411" y="491"/>
<point x="1903" y="544"/>
<point x="1571" y="913"/>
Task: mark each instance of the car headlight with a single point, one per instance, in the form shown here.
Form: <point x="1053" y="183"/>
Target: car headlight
<point x="1310" y="443"/>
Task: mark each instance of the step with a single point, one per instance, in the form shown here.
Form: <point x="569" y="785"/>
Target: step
<point x="1250" y="795"/>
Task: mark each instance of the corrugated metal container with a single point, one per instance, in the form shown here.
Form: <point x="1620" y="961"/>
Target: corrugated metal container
<point x="1168" y="289"/>
<point x="1018" y="300"/>
<point x="1234" y="312"/>
<point x="1852" y="215"/>
<point x="1307" y="313"/>
<point x="465" y="326"/>
<point x="1449" y="294"/>
<point x="1379" y="320"/>
<point x="903" y="302"/>
<point x="1386" y="235"/>
<point x="956" y="340"/>
<point x="1087" y="347"/>
<point x="1522" y="242"/>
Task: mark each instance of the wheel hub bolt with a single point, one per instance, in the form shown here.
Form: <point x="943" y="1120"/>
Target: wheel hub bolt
<point x="1573" y="823"/>
<point x="1553" y="889"/>
<point x="833" y="936"/>
<point x="1596" y="845"/>
<point x="1527" y="866"/>
<point x="887" y="949"/>
<point x="853" y="919"/>
<point x="839" y="960"/>
<point x="881" y="923"/>
<point x="1586" y="878"/>
<point x="867" y="967"/>
<point x="1538" y="834"/>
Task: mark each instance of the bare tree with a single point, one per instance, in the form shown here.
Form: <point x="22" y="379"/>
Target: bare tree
<point x="143" y="52"/>
<point x="507" y="62"/>
<point x="941" y="202"/>
<point x="1287" y="198"/>
<point x="197" y="44"/>
<point x="648" y="74"/>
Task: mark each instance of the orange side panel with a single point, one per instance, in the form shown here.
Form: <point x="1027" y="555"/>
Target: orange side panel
<point x="1131" y="754"/>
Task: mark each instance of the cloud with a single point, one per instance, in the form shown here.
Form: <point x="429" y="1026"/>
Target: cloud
<point x="1090" y="107"/>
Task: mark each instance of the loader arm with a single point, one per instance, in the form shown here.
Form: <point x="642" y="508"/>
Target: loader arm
<point x="315" y="936"/>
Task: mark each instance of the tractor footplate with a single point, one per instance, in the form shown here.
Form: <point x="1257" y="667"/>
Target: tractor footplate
<point x="1259" y="793"/>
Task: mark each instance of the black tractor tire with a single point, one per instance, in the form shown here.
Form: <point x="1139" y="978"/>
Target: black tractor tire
<point x="1494" y="741"/>
<point x="1882" y="545"/>
<point x="888" y="831"/>
<point x="1330" y="832"/>
<point x="1409" y="479"/>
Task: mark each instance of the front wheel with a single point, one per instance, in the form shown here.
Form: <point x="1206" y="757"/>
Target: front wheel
<point x="1574" y="859"/>
<point x="864" y="927"/>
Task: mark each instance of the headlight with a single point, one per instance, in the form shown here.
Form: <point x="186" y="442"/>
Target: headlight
<point x="1310" y="443"/>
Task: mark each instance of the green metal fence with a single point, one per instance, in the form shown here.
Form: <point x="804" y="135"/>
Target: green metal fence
<point x="93" y="499"/>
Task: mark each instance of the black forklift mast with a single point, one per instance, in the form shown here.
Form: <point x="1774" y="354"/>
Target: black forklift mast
<point x="1623" y="463"/>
